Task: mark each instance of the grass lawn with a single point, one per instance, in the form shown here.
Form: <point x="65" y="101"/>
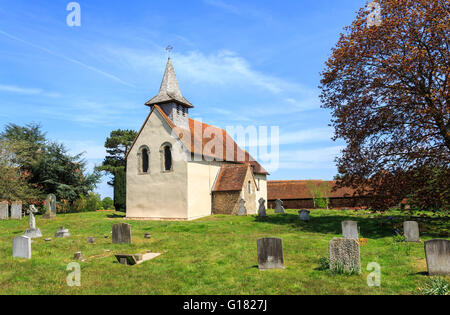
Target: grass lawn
<point x="214" y="255"/>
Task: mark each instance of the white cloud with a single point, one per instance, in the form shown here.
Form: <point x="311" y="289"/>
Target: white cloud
<point x="27" y="91"/>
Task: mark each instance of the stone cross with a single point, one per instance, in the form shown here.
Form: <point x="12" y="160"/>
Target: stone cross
<point x="242" y="210"/>
<point x="4" y="213"/>
<point x="411" y="231"/>
<point x="270" y="253"/>
<point x="32" y="231"/>
<point x="262" y="208"/>
<point x="279" y="206"/>
<point x="438" y="257"/>
<point x="22" y="247"/>
<point x="121" y="233"/>
<point x="345" y="254"/>
<point x="350" y="229"/>
<point x="50" y="204"/>
<point x="16" y="210"/>
<point x="304" y="215"/>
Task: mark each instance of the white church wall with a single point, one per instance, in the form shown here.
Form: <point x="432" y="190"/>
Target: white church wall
<point x="158" y="194"/>
<point x="201" y="178"/>
<point x="261" y="180"/>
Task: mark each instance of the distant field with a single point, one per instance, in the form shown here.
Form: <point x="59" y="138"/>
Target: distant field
<point x="215" y="255"/>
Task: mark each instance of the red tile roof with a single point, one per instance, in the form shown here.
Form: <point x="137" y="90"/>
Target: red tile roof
<point x="231" y="177"/>
<point x="298" y="189"/>
<point x="197" y="133"/>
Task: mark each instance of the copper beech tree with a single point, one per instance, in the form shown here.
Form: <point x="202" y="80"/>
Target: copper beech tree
<point x="387" y="86"/>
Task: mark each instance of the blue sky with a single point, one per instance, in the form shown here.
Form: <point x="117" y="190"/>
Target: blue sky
<point x="239" y="62"/>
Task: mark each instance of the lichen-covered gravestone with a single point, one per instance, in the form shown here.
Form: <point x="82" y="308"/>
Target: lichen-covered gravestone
<point x="50" y="204"/>
<point x="242" y="209"/>
<point x="22" y="247"/>
<point x="411" y="231"/>
<point x="279" y="206"/>
<point x="438" y="257"/>
<point x="270" y="253"/>
<point x="121" y="233"/>
<point x="4" y="213"/>
<point x="350" y="229"/>
<point x="304" y="215"/>
<point x="32" y="231"/>
<point x="262" y="208"/>
<point x="345" y="255"/>
<point x="16" y="210"/>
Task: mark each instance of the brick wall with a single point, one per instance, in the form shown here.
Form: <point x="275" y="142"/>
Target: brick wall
<point x="226" y="202"/>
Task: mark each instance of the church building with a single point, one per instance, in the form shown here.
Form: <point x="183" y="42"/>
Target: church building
<point x="179" y="168"/>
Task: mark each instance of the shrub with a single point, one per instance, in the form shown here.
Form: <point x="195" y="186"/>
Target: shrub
<point x="108" y="204"/>
<point x="93" y="202"/>
<point x="324" y="263"/>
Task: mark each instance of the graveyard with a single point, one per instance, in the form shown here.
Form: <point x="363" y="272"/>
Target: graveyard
<point x="217" y="254"/>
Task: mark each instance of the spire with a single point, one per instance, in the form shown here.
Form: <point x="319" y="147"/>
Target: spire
<point x="169" y="91"/>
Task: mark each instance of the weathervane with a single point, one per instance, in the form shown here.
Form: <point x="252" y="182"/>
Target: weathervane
<point x="169" y="50"/>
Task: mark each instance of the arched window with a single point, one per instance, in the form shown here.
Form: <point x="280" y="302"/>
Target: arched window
<point x="166" y="157"/>
<point x="144" y="160"/>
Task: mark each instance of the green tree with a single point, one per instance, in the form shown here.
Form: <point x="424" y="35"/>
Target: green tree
<point x="117" y="146"/>
<point x="120" y="190"/>
<point x="108" y="203"/>
<point x="13" y="180"/>
<point x="93" y="202"/>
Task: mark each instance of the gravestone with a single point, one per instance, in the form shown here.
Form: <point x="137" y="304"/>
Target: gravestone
<point x="78" y="256"/>
<point x="411" y="231"/>
<point x="279" y="206"/>
<point x="345" y="254"/>
<point x="121" y="233"/>
<point x="438" y="257"/>
<point x="270" y="253"/>
<point x="350" y="229"/>
<point x="242" y="210"/>
<point x="91" y="240"/>
<point x="262" y="208"/>
<point x="62" y="232"/>
<point x="32" y="231"/>
<point x="147" y="235"/>
<point x="22" y="247"/>
<point x="4" y="213"/>
<point x="304" y="215"/>
<point x="16" y="210"/>
<point x="50" y="205"/>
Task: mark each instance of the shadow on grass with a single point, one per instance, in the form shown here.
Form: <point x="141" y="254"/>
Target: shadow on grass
<point x="116" y="216"/>
<point x="369" y="227"/>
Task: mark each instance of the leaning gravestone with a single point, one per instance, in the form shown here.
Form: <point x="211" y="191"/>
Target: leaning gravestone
<point x="304" y="215"/>
<point x="345" y="254"/>
<point x="411" y="231"/>
<point x="32" y="231"/>
<point x="270" y="253"/>
<point x="78" y="256"/>
<point x="62" y="232"/>
<point x="22" y="247"/>
<point x="4" y="213"/>
<point x="279" y="206"/>
<point x="242" y="210"/>
<point x="16" y="210"/>
<point x="350" y="229"/>
<point x="121" y="233"/>
<point x="438" y="257"/>
<point x="50" y="205"/>
<point x="262" y="208"/>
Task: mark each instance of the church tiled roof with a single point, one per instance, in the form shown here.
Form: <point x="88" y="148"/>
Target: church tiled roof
<point x="231" y="178"/>
<point x="197" y="131"/>
<point x="169" y="91"/>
